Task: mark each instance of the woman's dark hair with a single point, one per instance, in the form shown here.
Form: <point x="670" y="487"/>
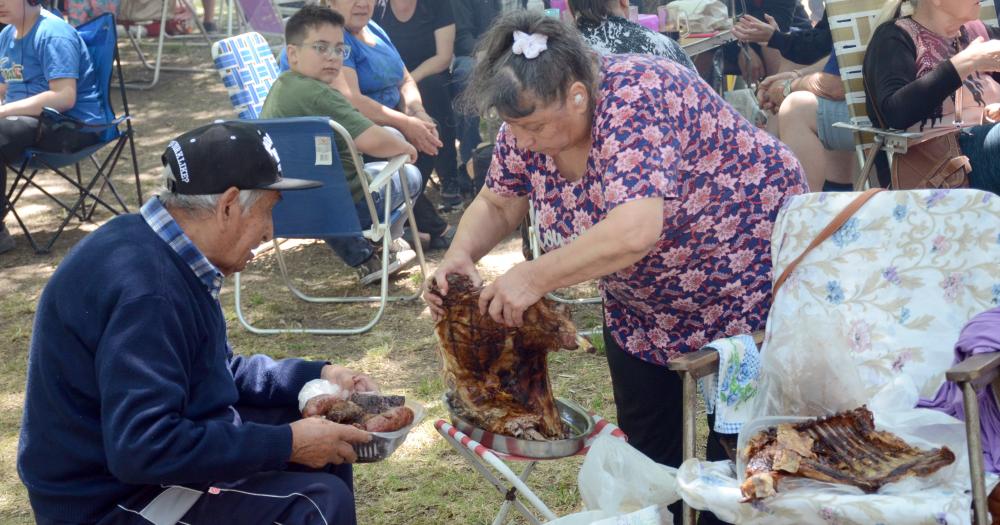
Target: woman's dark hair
<point x="310" y="16"/>
<point x="511" y="84"/>
<point x="590" y="10"/>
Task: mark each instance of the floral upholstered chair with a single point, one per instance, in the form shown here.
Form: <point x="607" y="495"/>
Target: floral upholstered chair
<point x="899" y="280"/>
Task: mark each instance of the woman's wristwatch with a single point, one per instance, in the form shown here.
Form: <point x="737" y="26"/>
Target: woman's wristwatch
<point x="788" y="88"/>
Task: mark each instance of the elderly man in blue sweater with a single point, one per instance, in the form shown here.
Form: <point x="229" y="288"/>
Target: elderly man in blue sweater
<point x="137" y="411"/>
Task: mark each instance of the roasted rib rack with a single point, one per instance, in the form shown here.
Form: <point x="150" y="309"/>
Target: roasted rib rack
<point x="498" y="376"/>
<point x="842" y="448"/>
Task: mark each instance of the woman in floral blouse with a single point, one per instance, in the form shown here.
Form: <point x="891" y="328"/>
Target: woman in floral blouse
<point x="642" y="177"/>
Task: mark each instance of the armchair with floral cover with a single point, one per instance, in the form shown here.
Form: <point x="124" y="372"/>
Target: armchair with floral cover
<point x="886" y="297"/>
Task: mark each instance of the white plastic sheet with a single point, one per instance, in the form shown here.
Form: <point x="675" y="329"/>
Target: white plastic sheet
<point x="814" y="374"/>
<point x="617" y="481"/>
<point x="943" y="497"/>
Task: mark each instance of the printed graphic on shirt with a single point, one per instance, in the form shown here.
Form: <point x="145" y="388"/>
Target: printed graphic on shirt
<point x="11" y="72"/>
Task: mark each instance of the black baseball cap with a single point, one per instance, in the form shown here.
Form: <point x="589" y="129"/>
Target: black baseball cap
<point x="213" y="158"/>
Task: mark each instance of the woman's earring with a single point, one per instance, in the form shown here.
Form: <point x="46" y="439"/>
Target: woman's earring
<point x="578" y="99"/>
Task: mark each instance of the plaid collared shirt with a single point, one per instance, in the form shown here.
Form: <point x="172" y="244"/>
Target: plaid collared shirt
<point x="159" y="219"/>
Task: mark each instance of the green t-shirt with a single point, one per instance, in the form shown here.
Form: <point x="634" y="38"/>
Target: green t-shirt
<point x="296" y="95"/>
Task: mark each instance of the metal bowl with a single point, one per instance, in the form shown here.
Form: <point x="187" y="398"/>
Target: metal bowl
<point x="573" y="416"/>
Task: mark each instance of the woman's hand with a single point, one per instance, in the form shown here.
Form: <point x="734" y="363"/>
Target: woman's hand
<point x="979" y="56"/>
<point x="453" y="262"/>
<point x="749" y="29"/>
<point x="422" y="134"/>
<point x="992" y="112"/>
<point x="771" y="91"/>
<point x="348" y="379"/>
<point x="510" y="295"/>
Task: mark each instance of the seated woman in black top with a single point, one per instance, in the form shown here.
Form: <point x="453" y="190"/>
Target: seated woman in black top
<point x="423" y="32"/>
<point x="915" y="68"/>
<point x="603" y="25"/>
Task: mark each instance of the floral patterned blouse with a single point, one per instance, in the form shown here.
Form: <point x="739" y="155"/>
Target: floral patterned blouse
<point x="660" y="131"/>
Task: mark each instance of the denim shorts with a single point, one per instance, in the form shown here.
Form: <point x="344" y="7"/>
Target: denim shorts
<point x="830" y="111"/>
<point x="982" y="145"/>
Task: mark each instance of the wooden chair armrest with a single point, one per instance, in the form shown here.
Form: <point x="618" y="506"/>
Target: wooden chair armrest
<point x="699" y="364"/>
<point x="978" y="369"/>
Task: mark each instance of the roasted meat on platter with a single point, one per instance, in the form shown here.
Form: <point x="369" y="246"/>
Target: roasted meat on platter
<point x="499" y="376"/>
<point x="842" y="448"/>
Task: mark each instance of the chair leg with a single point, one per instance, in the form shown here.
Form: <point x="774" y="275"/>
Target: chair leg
<point x="865" y="177"/>
<point x="689" y="431"/>
<point x="976" y="468"/>
<point x="511" y="498"/>
<point x="159" y="51"/>
<point x="24" y="228"/>
<point x="135" y="164"/>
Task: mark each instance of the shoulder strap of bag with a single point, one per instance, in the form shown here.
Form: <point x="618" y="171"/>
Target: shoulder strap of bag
<point x="829" y="230"/>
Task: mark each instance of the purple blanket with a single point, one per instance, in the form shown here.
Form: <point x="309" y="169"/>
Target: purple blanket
<point x="980" y="336"/>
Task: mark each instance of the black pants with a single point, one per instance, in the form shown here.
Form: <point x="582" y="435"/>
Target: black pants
<point x="649" y="399"/>
<point x="435" y="91"/>
<point x="298" y="495"/>
<point x="428" y="219"/>
<point x="20" y="133"/>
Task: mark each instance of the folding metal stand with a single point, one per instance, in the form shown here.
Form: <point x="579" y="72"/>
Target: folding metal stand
<point x="508" y="483"/>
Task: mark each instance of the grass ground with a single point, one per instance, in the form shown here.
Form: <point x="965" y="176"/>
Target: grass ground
<point x="424" y="482"/>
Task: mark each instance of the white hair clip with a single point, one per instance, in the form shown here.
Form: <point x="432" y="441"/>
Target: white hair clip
<point x="529" y="45"/>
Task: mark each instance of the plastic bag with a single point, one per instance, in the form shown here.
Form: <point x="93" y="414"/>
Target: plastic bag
<point x="744" y="101"/>
<point x="617" y="481"/>
<point x="812" y="374"/>
<point x="704" y="16"/>
<point x="318" y="387"/>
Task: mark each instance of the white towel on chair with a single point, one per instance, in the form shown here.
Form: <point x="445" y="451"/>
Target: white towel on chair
<point x="730" y="398"/>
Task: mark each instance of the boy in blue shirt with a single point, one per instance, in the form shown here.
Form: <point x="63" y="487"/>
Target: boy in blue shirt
<point x="43" y="63"/>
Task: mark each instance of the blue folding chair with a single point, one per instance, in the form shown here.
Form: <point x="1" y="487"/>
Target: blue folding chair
<point x="248" y="70"/>
<point x="307" y="149"/>
<point x="102" y="43"/>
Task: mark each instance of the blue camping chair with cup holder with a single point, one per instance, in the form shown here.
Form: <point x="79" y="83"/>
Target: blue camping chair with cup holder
<point x="307" y="148"/>
<point x="99" y="190"/>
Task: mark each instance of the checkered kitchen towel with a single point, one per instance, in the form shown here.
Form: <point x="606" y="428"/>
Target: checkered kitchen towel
<point x="739" y="364"/>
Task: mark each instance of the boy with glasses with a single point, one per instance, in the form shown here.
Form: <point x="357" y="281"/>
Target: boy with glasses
<point x="316" y="53"/>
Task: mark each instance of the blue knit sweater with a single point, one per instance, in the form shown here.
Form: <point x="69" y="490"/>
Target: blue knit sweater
<point x="131" y="382"/>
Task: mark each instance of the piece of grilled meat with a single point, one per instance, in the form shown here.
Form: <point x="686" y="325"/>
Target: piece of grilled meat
<point x="498" y="376"/>
<point x="842" y="448"/>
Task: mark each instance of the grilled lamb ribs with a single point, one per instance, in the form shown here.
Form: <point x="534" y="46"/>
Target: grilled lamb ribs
<point x="497" y="375"/>
<point x="842" y="448"/>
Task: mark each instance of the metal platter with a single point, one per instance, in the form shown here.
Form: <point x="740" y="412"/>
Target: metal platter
<point x="573" y="416"/>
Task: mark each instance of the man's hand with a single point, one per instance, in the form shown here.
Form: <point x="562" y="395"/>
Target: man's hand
<point x="317" y="442"/>
<point x="750" y="29"/>
<point x="347" y="379"/>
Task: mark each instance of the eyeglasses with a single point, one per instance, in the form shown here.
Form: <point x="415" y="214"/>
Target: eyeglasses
<point x="341" y="51"/>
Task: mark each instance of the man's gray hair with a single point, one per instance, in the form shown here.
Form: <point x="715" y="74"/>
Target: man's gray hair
<point x="200" y="203"/>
